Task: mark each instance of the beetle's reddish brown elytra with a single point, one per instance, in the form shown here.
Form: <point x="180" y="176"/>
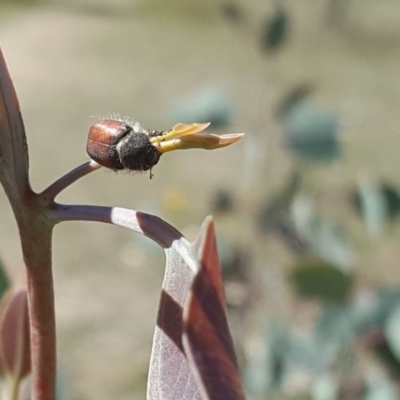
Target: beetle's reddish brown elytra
<point x="117" y="145"/>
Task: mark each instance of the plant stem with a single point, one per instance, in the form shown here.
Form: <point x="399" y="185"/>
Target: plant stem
<point x="41" y="313"/>
<point x="36" y="233"/>
<point x="148" y="225"/>
<point x="68" y="179"/>
<point x="145" y="224"/>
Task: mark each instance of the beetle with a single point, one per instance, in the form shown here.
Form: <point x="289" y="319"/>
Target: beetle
<point x="117" y="145"/>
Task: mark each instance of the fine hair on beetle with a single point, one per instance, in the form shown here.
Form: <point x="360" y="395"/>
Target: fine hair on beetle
<point x="136" y="152"/>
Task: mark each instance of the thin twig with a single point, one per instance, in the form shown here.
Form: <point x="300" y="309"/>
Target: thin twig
<point x="68" y="179"/>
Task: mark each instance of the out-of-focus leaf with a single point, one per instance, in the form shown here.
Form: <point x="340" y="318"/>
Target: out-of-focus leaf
<point x="4" y="280"/>
<point x="206" y="336"/>
<point x="192" y="282"/>
<point x="231" y="11"/>
<point x="325" y="387"/>
<point x="372" y="205"/>
<point x="378" y="343"/>
<point x="256" y="371"/>
<point x="291" y="100"/>
<point x="275" y="30"/>
<point x="311" y="134"/>
<point x="280" y="203"/>
<point x="279" y="344"/>
<point x="15" y="359"/>
<point x="392" y="331"/>
<point x="333" y="332"/>
<point x="392" y="197"/>
<point x="275" y="217"/>
<point x="267" y="358"/>
<point x="208" y="105"/>
<point x="324" y="238"/>
<point x="222" y="201"/>
<point x="329" y="243"/>
<point x="377" y="203"/>
<point x="364" y="312"/>
<point x="370" y="310"/>
<point x="234" y="260"/>
<point x="380" y="390"/>
<point x="14" y="161"/>
<point x="314" y="278"/>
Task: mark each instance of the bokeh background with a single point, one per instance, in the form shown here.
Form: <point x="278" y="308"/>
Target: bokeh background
<point x="306" y="206"/>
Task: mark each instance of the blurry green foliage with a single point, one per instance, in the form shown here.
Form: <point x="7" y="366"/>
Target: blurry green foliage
<point x="333" y="331"/>
<point x="275" y="31"/>
<point x="377" y="203"/>
<point x="384" y="352"/>
<point x="392" y="331"/>
<point x="324" y="238"/>
<point x="314" y="278"/>
<point x="267" y="367"/>
<point x="4" y="280"/>
<point x="291" y="100"/>
<point x="207" y="105"/>
<point x="278" y="343"/>
<point x="326" y="387"/>
<point x="274" y="216"/>
<point x="311" y="134"/>
<point x="371" y="310"/>
<point x="380" y="390"/>
<point x="222" y="201"/>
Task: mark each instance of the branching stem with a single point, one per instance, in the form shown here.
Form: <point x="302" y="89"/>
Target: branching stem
<point x="60" y="184"/>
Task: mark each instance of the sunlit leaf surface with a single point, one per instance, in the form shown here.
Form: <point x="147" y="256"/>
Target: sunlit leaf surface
<point x="207" y="340"/>
<point x="193" y="356"/>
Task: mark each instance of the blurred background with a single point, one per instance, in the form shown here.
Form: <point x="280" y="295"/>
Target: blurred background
<point x="306" y="206"/>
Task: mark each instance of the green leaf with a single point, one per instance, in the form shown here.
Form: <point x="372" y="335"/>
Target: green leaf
<point x="312" y="134"/>
<point x="313" y="278"/>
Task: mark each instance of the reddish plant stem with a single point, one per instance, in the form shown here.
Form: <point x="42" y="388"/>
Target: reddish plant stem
<point x="59" y="185"/>
<point x="41" y="313"/>
<point x="36" y="234"/>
